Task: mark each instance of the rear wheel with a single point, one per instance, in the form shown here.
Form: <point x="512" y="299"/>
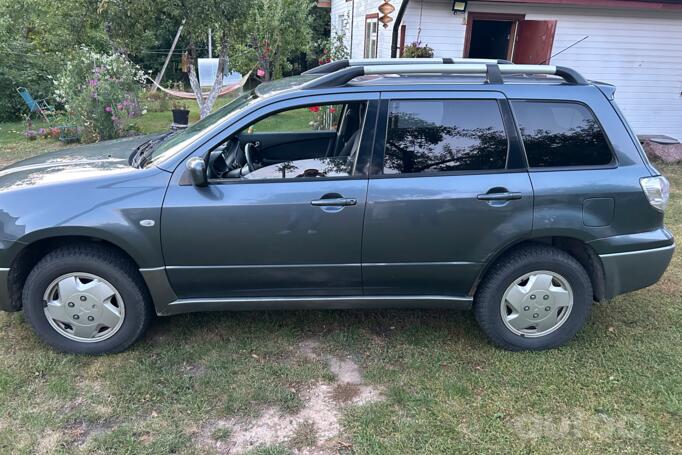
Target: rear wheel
<point x="537" y="297"/>
<point x="86" y="300"/>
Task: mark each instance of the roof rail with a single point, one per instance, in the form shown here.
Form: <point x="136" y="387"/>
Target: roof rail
<point x="492" y="71"/>
<point x="346" y="63"/>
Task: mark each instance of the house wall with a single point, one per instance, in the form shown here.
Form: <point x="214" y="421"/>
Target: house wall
<point x="639" y="51"/>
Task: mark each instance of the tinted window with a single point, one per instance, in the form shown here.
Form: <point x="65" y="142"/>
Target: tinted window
<point x="561" y="134"/>
<point x="442" y="136"/>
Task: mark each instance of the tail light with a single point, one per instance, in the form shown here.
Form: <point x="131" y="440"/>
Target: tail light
<point x="657" y="190"/>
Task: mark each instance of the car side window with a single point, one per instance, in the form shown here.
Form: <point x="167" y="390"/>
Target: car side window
<point x="431" y="136"/>
<point x="318" y="141"/>
<point x="311" y="118"/>
<point x="561" y="134"/>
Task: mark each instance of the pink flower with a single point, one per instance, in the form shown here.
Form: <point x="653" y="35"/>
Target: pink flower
<point x="93" y="82"/>
<point x="119" y="106"/>
<point x="260" y="72"/>
<point x="314" y="108"/>
<point x="107" y="109"/>
<point x="332" y="110"/>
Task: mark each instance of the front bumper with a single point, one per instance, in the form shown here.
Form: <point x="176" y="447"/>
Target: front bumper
<point x="638" y="262"/>
<point x="6" y="303"/>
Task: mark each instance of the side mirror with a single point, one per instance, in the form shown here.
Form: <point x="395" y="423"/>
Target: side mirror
<point x="197" y="171"/>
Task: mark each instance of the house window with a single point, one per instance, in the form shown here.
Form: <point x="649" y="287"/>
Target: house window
<point x="341" y="24"/>
<point x="371" y="35"/>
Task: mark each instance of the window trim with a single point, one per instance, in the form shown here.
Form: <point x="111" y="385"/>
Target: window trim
<point x="613" y="164"/>
<point x="371" y="18"/>
<point x="379" y="150"/>
<point x="364" y="153"/>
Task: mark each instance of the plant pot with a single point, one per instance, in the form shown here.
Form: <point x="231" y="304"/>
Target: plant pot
<point x="180" y="116"/>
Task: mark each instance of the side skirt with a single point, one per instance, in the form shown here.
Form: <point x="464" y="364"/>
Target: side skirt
<point x="316" y="303"/>
<point x="167" y="303"/>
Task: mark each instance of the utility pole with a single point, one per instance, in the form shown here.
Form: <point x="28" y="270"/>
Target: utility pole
<point x="159" y="76"/>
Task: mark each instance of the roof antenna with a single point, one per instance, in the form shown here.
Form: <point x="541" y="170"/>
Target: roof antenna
<point x="565" y="49"/>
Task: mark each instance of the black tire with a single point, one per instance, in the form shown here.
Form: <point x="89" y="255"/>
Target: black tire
<point x="511" y="267"/>
<point x="106" y="263"/>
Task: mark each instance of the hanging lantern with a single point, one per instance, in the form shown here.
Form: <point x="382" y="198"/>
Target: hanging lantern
<point x="386" y="8"/>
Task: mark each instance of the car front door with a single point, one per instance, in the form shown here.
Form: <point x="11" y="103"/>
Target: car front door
<point x="449" y="189"/>
<point x="289" y="228"/>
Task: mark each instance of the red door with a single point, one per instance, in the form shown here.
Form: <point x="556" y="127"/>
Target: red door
<point x="534" y="40"/>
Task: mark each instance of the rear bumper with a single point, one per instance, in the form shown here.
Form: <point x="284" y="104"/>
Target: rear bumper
<point x="631" y="270"/>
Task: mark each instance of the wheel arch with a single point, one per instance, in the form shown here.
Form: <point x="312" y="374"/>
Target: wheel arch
<point x="577" y="248"/>
<point x="30" y="253"/>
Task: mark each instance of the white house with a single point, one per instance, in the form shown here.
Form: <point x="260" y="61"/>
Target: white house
<point x="635" y="45"/>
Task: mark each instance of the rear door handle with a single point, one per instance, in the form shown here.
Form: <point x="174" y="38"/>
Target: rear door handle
<point x="336" y="202"/>
<point x="506" y="196"/>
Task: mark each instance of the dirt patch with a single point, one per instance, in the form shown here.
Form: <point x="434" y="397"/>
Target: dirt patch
<point x="48" y="442"/>
<point x="313" y="430"/>
<point x="343" y="393"/>
<point x="81" y="433"/>
<point x="345" y="370"/>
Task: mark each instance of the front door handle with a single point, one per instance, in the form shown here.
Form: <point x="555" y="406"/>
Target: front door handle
<point x="506" y="196"/>
<point x="335" y="202"/>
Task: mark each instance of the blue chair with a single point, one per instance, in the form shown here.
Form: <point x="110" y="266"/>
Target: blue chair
<point x="36" y="106"/>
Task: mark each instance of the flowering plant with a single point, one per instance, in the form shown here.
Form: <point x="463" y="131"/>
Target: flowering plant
<point x="323" y="117"/>
<point x="417" y="50"/>
<point x="179" y="106"/>
<point x="102" y="90"/>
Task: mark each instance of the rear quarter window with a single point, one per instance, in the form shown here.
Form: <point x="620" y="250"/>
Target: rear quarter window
<point x="561" y="134"/>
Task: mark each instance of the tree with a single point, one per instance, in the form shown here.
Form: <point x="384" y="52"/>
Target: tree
<point x="278" y="30"/>
<point x="226" y="18"/>
<point x="36" y="37"/>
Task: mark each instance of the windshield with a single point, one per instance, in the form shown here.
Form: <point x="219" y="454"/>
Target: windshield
<point x="180" y="140"/>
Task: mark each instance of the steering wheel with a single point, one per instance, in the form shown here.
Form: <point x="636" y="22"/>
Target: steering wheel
<point x="247" y="153"/>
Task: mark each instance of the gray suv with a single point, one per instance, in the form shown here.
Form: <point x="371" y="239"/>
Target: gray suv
<point x="516" y="190"/>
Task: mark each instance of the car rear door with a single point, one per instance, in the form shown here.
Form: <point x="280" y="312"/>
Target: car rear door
<point x="449" y="189"/>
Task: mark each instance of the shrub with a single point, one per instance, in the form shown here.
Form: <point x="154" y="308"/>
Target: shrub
<point x="416" y="50"/>
<point x="157" y="101"/>
<point x="101" y="91"/>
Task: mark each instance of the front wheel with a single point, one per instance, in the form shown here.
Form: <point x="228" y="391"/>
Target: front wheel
<point x="537" y="297"/>
<point x="86" y="300"/>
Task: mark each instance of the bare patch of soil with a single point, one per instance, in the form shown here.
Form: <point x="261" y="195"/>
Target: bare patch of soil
<point x="314" y="430"/>
<point x="343" y="393"/>
<point x="82" y="433"/>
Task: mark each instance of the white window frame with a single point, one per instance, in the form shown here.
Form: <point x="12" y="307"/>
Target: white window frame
<point x="371" y="45"/>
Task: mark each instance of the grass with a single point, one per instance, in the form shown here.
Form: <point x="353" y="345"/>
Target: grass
<point x="617" y="388"/>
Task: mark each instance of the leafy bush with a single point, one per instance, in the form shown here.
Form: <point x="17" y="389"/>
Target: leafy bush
<point x="157" y="102"/>
<point x="102" y="91"/>
<point x="416" y="50"/>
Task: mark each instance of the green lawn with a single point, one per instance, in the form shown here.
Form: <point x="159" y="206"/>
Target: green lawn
<point x="203" y="383"/>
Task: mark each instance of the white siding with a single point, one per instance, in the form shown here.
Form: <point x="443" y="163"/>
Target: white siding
<point x="639" y="51"/>
<point x="341" y="8"/>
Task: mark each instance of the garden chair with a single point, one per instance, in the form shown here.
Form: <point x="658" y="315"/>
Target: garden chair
<point x="36" y="106"/>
